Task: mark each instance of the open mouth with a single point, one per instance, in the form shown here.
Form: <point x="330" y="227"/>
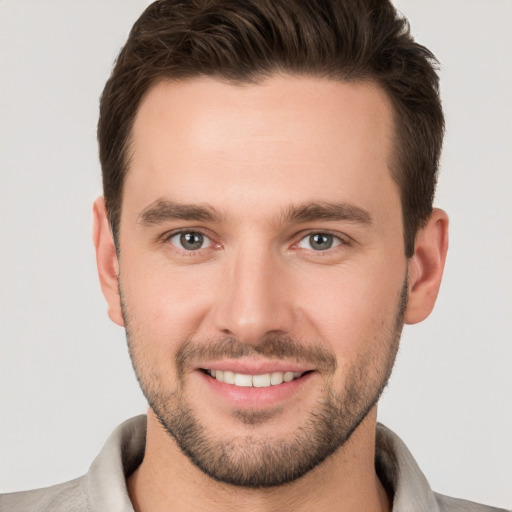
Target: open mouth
<point x="264" y="380"/>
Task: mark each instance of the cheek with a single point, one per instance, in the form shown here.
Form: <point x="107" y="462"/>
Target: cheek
<point x="163" y="312"/>
<point x="165" y="304"/>
<point x="353" y="310"/>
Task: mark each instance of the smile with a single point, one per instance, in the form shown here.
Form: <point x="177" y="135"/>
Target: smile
<point x="264" y="380"/>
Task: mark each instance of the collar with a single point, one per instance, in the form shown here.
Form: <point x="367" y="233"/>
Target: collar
<point x="401" y="475"/>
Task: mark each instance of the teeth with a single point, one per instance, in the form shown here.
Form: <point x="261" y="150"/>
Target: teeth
<point x="288" y="377"/>
<point x="229" y="377"/>
<point x="261" y="381"/>
<point x="242" y="380"/>
<point x="258" y="381"/>
<point x="276" y="378"/>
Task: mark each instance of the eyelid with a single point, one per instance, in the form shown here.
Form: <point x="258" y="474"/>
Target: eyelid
<point x="343" y="239"/>
<point x="166" y="238"/>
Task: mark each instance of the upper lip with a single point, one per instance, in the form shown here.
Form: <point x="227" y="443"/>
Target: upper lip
<point x="248" y="367"/>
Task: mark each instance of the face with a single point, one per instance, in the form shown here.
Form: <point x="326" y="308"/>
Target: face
<point x="262" y="269"/>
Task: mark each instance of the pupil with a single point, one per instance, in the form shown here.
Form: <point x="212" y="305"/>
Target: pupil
<point x="321" y="241"/>
<point x="191" y="241"/>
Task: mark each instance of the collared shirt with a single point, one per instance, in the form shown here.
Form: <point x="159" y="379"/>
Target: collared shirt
<point x="103" y="488"/>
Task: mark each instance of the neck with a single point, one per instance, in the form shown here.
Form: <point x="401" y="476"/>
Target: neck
<point x="345" y="481"/>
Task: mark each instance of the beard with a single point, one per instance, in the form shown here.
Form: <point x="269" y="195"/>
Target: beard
<point x="252" y="461"/>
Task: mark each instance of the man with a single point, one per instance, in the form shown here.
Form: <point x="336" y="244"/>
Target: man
<point x="267" y="229"/>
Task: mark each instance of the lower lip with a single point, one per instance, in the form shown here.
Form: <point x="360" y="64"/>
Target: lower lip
<point x="256" y="398"/>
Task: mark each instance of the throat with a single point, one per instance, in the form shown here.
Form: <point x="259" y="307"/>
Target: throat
<point x="345" y="481"/>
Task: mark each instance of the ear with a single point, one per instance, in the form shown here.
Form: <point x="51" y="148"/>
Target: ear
<point x="426" y="267"/>
<point x="106" y="260"/>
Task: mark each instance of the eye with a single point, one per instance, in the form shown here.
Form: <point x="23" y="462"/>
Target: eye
<point x="319" y="242"/>
<point x="190" y="240"/>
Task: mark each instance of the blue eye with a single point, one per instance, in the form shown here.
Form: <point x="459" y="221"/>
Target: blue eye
<point x="319" y="242"/>
<point x="190" y="240"/>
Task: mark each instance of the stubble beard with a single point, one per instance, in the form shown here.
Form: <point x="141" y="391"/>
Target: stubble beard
<point x="253" y="461"/>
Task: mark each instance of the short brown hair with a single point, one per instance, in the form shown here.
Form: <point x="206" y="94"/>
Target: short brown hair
<point x="244" y="41"/>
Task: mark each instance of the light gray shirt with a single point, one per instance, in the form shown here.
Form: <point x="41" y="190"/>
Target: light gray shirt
<point x="103" y="488"/>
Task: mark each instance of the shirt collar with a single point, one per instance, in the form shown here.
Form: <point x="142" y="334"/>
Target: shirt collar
<point x="119" y="457"/>
<point x="401" y="475"/>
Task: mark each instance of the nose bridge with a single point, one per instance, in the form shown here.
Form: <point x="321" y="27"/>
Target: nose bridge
<point x="253" y="301"/>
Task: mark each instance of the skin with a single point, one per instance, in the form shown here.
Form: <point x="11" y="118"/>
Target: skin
<point x="252" y="153"/>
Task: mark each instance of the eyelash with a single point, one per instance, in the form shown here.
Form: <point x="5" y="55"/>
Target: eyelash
<point x="337" y="240"/>
<point x="169" y="236"/>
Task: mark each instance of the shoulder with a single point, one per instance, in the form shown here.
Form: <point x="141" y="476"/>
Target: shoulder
<point x="401" y="475"/>
<point x="447" y="504"/>
<point x="68" y="496"/>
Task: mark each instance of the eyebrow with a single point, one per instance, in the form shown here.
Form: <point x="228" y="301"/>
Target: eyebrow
<point x="327" y="211"/>
<point x="163" y="210"/>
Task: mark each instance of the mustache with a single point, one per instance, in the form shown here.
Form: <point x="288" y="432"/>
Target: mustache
<point x="272" y="347"/>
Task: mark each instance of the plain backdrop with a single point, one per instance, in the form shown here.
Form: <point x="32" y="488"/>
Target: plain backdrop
<point x="65" y="376"/>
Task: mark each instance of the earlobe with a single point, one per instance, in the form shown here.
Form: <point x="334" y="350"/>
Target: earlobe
<point x="106" y="260"/>
<point x="426" y="267"/>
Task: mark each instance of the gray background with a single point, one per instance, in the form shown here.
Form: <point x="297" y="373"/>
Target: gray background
<point x="65" y="376"/>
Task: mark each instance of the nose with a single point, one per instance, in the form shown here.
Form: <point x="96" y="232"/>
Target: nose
<point x="254" y="300"/>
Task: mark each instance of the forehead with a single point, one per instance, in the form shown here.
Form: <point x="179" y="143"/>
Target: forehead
<point x="288" y="137"/>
